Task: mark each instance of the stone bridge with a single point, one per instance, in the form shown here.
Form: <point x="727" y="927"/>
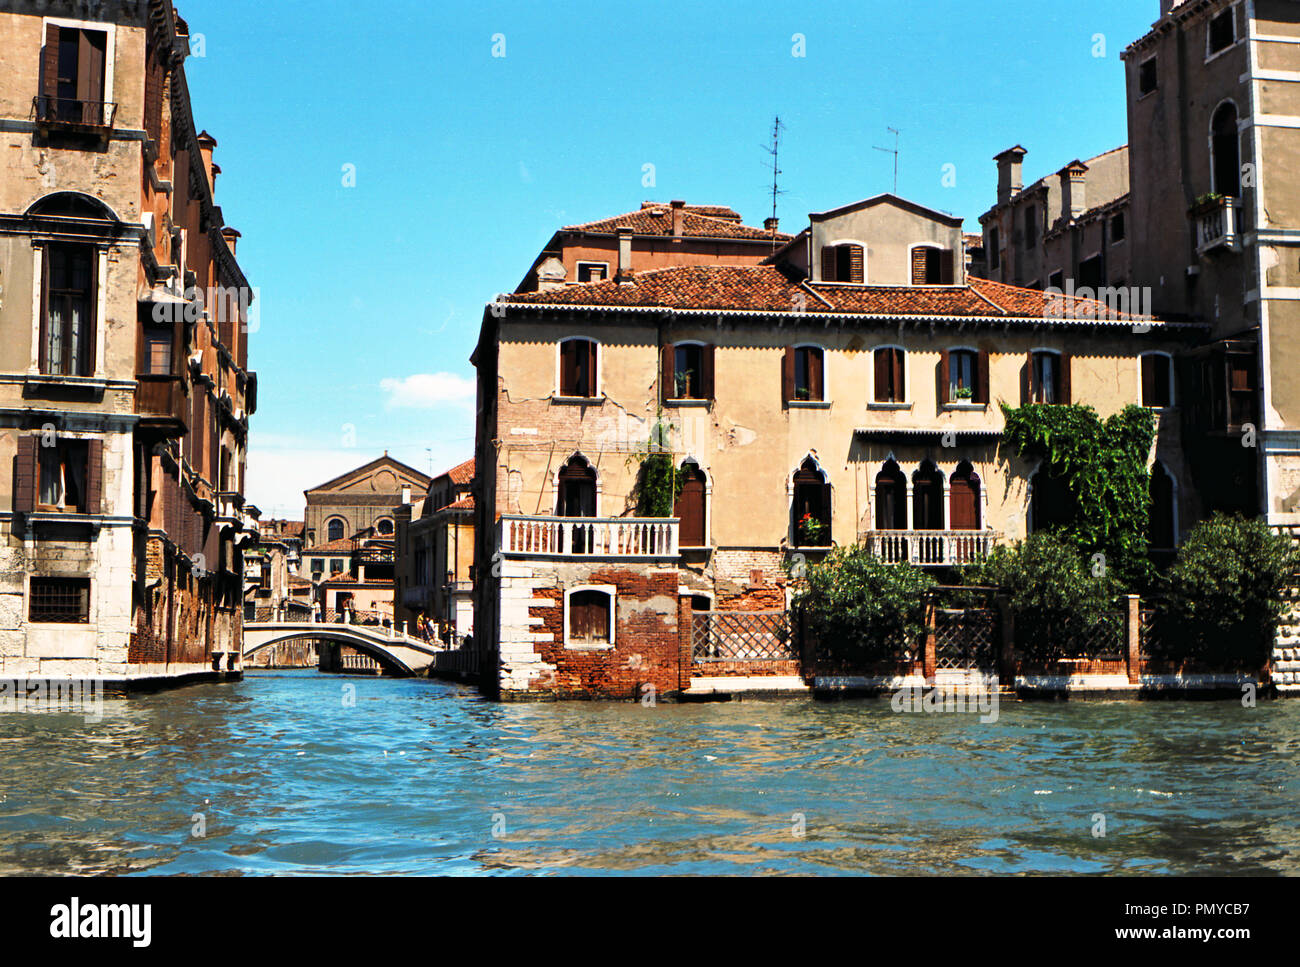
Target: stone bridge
<point x="398" y="652"/>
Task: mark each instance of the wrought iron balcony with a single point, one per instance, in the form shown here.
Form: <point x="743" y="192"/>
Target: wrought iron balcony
<point x="589" y="537"/>
<point x="930" y="548"/>
<point x="74" y="113"/>
<point x="1218" y="225"/>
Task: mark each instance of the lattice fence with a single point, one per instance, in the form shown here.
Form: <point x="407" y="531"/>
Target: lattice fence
<point x="1150" y="640"/>
<point x="966" y="638"/>
<point x="742" y="636"/>
<point x="1104" y="641"/>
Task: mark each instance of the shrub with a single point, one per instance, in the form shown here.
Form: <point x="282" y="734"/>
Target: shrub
<point x="1223" y="594"/>
<point x="657" y="486"/>
<point x="863" y="610"/>
<point x="1056" y="600"/>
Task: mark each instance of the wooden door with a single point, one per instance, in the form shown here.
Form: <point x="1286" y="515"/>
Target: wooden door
<point x="689" y="508"/>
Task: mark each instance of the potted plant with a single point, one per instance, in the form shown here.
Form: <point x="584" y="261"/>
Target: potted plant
<point x="683" y="384"/>
<point x="811" y="532"/>
<point x="965" y="394"/>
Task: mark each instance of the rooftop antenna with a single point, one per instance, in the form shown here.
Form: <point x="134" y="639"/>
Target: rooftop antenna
<point x="894" y="152"/>
<point x="774" y="150"/>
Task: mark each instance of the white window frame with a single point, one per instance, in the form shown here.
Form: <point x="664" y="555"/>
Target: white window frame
<point x="866" y="275"/>
<point x="1172" y="400"/>
<point x="600" y="367"/>
<point x="577" y="269"/>
<point x="1236" y="34"/>
<point x="792" y="537"/>
<point x="1060" y="368"/>
<point x="906" y="402"/>
<point x="609" y="589"/>
<point x="955" y="403"/>
<point x="110" y="44"/>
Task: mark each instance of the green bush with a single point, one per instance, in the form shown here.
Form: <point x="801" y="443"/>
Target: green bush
<point x="657" y="486"/>
<point x="1057" y="601"/>
<point x="863" y="610"/>
<point x="1223" y="594"/>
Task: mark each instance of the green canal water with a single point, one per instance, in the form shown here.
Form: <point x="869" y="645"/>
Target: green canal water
<point x="291" y="773"/>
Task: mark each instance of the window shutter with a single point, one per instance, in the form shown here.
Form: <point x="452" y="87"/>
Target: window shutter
<point x="42" y="350"/>
<point x="92" y="316"/>
<point x="25" y="480"/>
<point x="1065" y="379"/>
<point x="706" y="372"/>
<point x="50" y="67"/>
<point x="90" y="73"/>
<point x="947" y="267"/>
<point x="900" y="393"/>
<point x="593" y="360"/>
<point x="568" y="368"/>
<point x="944" y="377"/>
<point x="856" y="273"/>
<point x="95" y="477"/>
<point x="1027" y="381"/>
<point x="816" y="384"/>
<point x="982" y="378"/>
<point x="882" y="375"/>
<point x="787" y="375"/>
<point x="828" y="263"/>
<point x="918" y="265"/>
<point x="667" y="371"/>
<point x="1148" y="379"/>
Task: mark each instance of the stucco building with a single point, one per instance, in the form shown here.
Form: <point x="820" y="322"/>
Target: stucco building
<point x="846" y="391"/>
<point x="359" y="500"/>
<point x="435" y="556"/>
<point x="125" y="391"/>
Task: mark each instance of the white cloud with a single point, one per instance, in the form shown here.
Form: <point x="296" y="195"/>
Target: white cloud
<point x="427" y="390"/>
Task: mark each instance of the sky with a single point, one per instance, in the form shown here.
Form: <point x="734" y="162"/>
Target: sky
<point x="393" y="167"/>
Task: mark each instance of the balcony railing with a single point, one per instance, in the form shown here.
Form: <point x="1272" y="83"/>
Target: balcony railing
<point x="1218" y="226"/>
<point x="644" y="537"/>
<point x="933" y="548"/>
<point x="74" y="112"/>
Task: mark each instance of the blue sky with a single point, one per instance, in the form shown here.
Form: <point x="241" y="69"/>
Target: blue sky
<point x="466" y="163"/>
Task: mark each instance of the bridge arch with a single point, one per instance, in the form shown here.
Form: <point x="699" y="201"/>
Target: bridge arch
<point x="396" y="652"/>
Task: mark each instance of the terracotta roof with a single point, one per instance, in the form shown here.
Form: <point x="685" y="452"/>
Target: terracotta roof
<point x="297" y="582"/>
<point x="713" y="211"/>
<point x="765" y="288"/>
<point x="465" y="503"/>
<point x="343" y="545"/>
<point x="462" y="473"/>
<point x="659" y="221"/>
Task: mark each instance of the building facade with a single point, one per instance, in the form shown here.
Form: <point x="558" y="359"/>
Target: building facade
<point x="845" y="392"/>
<point x="125" y="391"/>
<point x="359" y="500"/>
<point x="435" y="556"/>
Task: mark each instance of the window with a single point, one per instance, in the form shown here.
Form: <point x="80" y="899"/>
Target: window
<point x="1161" y="527"/>
<point x="995" y="249"/>
<point x="1050" y="502"/>
<point x="63" y="477"/>
<point x="60" y="600"/>
<point x="931" y="266"/>
<point x="689" y="508"/>
<point x="1241" y="389"/>
<point x="72" y="86"/>
<point x="891" y="496"/>
<point x="1049" y="377"/>
<point x="1091" y="275"/>
<point x="1056" y="281"/>
<point x="927" y="498"/>
<point x="593" y="271"/>
<point x="334" y="529"/>
<point x="337" y="566"/>
<point x="1222" y="32"/>
<point x="578" y="368"/>
<point x="576" y="497"/>
<point x="1118" y="229"/>
<point x="964" y="498"/>
<point x="590" y="611"/>
<point x="1031" y="227"/>
<point x="1148" y="79"/>
<point x="964" y="376"/>
<point x="158" y="352"/>
<point x="805" y="374"/>
<point x="811" y="507"/>
<point x="1157" y="380"/>
<point x="687" y="371"/>
<point x="70" y="299"/>
<point x="317" y="566"/>
<point x="1225" y="146"/>
<point x="384" y="527"/>
<point x="842" y="263"/>
<point x="889" y="375"/>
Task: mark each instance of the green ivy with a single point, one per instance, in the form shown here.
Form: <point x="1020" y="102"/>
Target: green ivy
<point x="1103" y="466"/>
<point x="658" y="481"/>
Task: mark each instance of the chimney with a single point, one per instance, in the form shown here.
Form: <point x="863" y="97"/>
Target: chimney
<point x="769" y="224"/>
<point x="1074" y="194"/>
<point x="677" y="205"/>
<point x="624" y="274"/>
<point x="232" y="238"/>
<point x="206" y="143"/>
<point x="406" y="495"/>
<point x="1009" y="180"/>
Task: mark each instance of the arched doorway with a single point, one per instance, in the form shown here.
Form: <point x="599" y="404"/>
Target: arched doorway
<point x="811" y="507"/>
<point x="964" y="499"/>
<point x="891" y="494"/>
<point x="1161" y="530"/>
<point x="927" y="498"/>
<point x="689" y="508"/>
<point x="1225" y="143"/>
<point x="576" y="496"/>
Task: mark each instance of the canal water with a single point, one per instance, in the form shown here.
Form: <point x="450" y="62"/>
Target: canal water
<point x="297" y="772"/>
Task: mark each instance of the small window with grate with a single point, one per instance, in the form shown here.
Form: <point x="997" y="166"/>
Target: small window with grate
<point x="60" y="600"/>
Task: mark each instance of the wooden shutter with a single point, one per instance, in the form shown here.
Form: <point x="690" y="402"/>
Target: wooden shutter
<point x="900" y="393"/>
<point x="816" y="383"/>
<point x="856" y="273"/>
<point x="26" y="475"/>
<point x="944" y="377"/>
<point x="981" y="394"/>
<point x="94" y="477"/>
<point x="50" y="68"/>
<point x="828" y="263"/>
<point x="1027" y="380"/>
<point x="787" y="375"/>
<point x="706" y="372"/>
<point x="668" y="371"/>
<point x="882" y="375"/>
<point x="1148" y="379"/>
<point x="90" y="73"/>
<point x="569" y="368"/>
<point x="947" y="267"/>
<point x="1065" y="379"/>
<point x="689" y="509"/>
<point x="42" y="350"/>
<point x="918" y="265"/>
<point x="593" y="360"/>
<point x="963" y="503"/>
<point x="91" y="334"/>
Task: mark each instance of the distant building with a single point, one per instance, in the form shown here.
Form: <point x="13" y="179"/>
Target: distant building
<point x="435" y="555"/>
<point x="360" y="499"/>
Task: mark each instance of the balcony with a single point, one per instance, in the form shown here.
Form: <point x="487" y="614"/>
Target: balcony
<point x="73" y="115"/>
<point x="163" y="405"/>
<point x="589" y="537"/>
<point x="930" y="548"/>
<point x="1218" y="225"/>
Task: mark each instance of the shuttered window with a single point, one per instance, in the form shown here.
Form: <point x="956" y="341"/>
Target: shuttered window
<point x="1157" y="380"/>
<point x="809" y="382"/>
<point x="889" y="375"/>
<point x="69" y="300"/>
<point x="67" y="478"/>
<point x="843" y="263"/>
<point x="1049" y="377"/>
<point x="578" y="368"/>
<point x="932" y="265"/>
<point x="72" y="85"/>
<point x="686" y="371"/>
<point x="589" y="614"/>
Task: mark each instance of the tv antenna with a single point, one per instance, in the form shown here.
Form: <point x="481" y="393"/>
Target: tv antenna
<point x="774" y="150"/>
<point x="894" y="152"/>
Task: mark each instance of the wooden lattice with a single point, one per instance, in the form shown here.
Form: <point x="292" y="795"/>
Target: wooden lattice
<point x="966" y="638"/>
<point x="742" y="636"/>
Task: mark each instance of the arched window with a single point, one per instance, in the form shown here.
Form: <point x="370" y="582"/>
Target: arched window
<point x="964" y="498"/>
<point x="1050" y="504"/>
<point x="578" y="362"/>
<point x="334" y="529"/>
<point x="891" y="497"/>
<point x="577" y="490"/>
<point x="689" y="507"/>
<point x="811" y="508"/>
<point x="932" y="265"/>
<point x="927" y="498"/>
<point x="843" y="263"/>
<point x="385" y="526"/>
<point x="1161" y="530"/>
<point x="1225" y="142"/>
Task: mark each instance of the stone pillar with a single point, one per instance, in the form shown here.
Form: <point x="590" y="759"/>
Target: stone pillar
<point x="1133" y="637"/>
<point x="930" y="660"/>
<point x="685" y="630"/>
